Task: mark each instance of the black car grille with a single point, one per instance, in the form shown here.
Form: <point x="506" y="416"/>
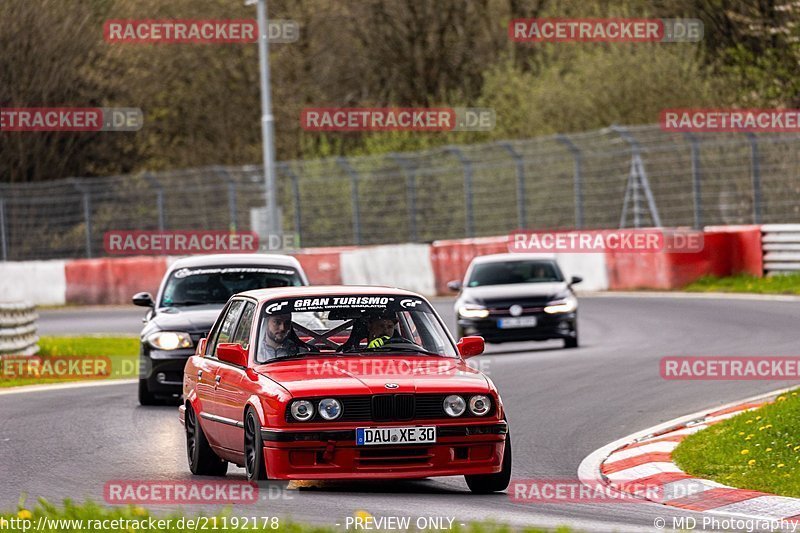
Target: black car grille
<point x="391" y="407"/>
<point x="505" y="303"/>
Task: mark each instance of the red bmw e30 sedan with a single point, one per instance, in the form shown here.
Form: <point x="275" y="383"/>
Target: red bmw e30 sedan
<point x="341" y="382"/>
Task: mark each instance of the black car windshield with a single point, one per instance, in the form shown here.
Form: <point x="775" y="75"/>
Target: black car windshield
<point x="364" y="325"/>
<point x="216" y="284"/>
<point x="514" y="272"/>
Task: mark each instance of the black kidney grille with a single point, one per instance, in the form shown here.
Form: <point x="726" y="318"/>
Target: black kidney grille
<point x="383" y="407"/>
<point x="404" y="407"/>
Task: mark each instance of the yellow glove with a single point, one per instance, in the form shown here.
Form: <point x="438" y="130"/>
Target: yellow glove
<point x="378" y="342"/>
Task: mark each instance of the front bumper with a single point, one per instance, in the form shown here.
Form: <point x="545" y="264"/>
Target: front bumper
<point x="333" y="454"/>
<point x="163" y="370"/>
<point x="548" y="326"/>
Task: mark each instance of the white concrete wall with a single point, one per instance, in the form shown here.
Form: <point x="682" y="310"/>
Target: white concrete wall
<point x="38" y="282"/>
<point x="590" y="266"/>
<point x="407" y="266"/>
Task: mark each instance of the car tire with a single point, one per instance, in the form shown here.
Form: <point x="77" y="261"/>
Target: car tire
<point x="202" y="459"/>
<point x="571" y="342"/>
<point x="253" y="448"/>
<point x="488" y="483"/>
<point x="145" y="396"/>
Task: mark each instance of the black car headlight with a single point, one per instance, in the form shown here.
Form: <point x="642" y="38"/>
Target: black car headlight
<point x="565" y="305"/>
<point x="472" y="311"/>
<point x="170" y="340"/>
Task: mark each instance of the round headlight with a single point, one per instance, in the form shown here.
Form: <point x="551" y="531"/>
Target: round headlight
<point x="479" y="405"/>
<point x="454" y="405"/>
<point x="330" y="409"/>
<point x="302" y="410"/>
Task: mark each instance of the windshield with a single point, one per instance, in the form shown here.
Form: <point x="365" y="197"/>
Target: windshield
<point x="215" y="285"/>
<point x="513" y="272"/>
<point x="350" y="325"/>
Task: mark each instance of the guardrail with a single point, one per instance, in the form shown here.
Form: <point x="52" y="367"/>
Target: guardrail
<point x="18" y="329"/>
<point x="781" y="247"/>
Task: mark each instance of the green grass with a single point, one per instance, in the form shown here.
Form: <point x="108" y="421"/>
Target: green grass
<point x="757" y="450"/>
<point x="70" y="515"/>
<point x="780" y="284"/>
<point x="123" y="353"/>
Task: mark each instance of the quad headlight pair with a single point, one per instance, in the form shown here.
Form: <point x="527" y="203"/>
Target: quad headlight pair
<point x="328" y="408"/>
<point x="455" y="405"/>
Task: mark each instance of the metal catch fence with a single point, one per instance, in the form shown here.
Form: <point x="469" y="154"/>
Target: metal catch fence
<point x="615" y="177"/>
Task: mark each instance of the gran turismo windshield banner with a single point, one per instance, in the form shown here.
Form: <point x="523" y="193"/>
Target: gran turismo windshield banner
<point x="356" y="303"/>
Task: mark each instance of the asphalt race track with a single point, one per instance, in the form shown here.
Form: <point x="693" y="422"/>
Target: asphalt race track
<point x="562" y="405"/>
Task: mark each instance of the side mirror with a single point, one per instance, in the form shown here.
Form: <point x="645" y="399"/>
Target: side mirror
<point x="454" y="285"/>
<point x="201" y="346"/>
<point x="143" y="299"/>
<point x="470" y="346"/>
<point x="575" y="279"/>
<point x="234" y="354"/>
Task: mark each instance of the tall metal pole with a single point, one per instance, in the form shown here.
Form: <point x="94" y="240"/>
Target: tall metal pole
<point x="267" y="121"/>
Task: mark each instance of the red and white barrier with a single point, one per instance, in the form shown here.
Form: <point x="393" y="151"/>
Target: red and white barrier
<point x="419" y="267"/>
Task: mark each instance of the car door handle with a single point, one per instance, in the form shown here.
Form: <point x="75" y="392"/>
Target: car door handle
<point x="199" y="375"/>
<point x="217" y="380"/>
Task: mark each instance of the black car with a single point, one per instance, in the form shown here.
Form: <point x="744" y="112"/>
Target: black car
<point x="192" y="294"/>
<point x="516" y="297"/>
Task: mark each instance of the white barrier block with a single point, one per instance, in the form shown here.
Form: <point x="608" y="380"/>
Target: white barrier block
<point x="590" y="266"/>
<point x="407" y="266"/>
<point x="38" y="282"/>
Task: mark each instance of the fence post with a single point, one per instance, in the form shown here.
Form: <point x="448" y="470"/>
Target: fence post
<point x="411" y="194"/>
<point x="353" y="198"/>
<point x="696" y="176"/>
<point x="154" y="183"/>
<point x="3" y="238"/>
<point x="298" y="227"/>
<point x="232" y="207"/>
<point x="520" y="164"/>
<point x="469" y="223"/>
<point x="577" y="176"/>
<point x="87" y="212"/>
<point x="755" y="172"/>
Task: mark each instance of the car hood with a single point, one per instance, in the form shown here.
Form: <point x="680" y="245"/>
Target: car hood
<point x="513" y="291"/>
<point x="192" y="319"/>
<point x="317" y="376"/>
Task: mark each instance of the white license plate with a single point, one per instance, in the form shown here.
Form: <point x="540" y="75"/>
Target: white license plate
<point x="398" y="435"/>
<point x="517" y="322"/>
